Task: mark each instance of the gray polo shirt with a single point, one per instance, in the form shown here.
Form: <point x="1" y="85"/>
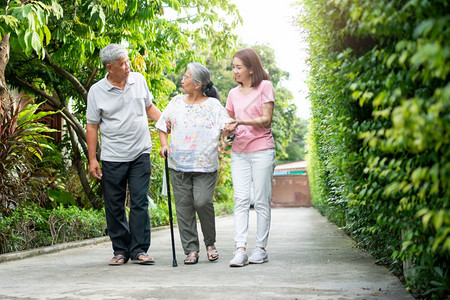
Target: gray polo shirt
<point x="122" y="117"/>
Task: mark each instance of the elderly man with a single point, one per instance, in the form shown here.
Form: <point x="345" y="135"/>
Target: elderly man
<point x="118" y="105"/>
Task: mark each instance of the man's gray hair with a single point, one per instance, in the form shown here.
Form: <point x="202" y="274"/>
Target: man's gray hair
<point x="112" y="53"/>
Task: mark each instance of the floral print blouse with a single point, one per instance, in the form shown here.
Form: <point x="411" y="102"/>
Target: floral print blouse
<point x="195" y="133"/>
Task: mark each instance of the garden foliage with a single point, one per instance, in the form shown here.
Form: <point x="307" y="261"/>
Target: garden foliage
<point x="23" y="177"/>
<point x="31" y="226"/>
<point x="379" y="134"/>
<point x="54" y="53"/>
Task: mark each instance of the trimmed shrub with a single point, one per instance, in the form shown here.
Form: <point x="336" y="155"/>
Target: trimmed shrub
<point x="30" y="226"/>
<point x="379" y="135"/>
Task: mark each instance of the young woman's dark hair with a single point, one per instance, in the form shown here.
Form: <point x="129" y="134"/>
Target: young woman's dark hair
<point x="252" y="62"/>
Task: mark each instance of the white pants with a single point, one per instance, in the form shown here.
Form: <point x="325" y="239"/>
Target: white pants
<point x="252" y="168"/>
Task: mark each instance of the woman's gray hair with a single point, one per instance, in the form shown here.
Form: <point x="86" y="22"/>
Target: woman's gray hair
<point x="112" y="53"/>
<point x="201" y="75"/>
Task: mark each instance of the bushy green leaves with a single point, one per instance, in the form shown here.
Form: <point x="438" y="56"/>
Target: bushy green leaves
<point x="379" y="138"/>
<point x="22" y="140"/>
<point x="31" y="226"/>
<point x="28" y="21"/>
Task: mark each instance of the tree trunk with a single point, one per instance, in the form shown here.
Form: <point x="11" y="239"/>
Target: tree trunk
<point x="4" y="59"/>
<point x="79" y="165"/>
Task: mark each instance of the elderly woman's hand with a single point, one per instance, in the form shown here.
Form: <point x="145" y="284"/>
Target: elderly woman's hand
<point x="163" y="149"/>
<point x="229" y="128"/>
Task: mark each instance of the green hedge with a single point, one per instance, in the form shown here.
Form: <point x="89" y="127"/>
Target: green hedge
<point x="30" y="226"/>
<point x="379" y="134"/>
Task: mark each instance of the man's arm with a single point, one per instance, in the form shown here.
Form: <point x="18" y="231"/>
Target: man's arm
<point x="153" y="112"/>
<point x="91" y="138"/>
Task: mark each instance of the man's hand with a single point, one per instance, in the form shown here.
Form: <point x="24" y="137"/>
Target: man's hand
<point x="95" y="169"/>
<point x="168" y="126"/>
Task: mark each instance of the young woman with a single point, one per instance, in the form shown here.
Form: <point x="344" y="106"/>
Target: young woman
<point x="253" y="154"/>
<point x="196" y="120"/>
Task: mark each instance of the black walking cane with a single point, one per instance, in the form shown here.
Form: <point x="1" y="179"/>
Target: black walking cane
<point x="174" y="263"/>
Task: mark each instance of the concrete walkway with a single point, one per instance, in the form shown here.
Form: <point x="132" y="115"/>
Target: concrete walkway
<point x="309" y="258"/>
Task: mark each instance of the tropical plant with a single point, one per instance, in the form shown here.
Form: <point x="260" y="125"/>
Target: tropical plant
<point x="22" y="140"/>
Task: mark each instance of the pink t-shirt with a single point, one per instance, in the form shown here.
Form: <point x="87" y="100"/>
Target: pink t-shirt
<point x="251" y="138"/>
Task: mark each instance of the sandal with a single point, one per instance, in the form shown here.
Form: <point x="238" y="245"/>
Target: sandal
<point x="143" y="259"/>
<point x="117" y="260"/>
<point x="212" y="253"/>
<point x="192" y="258"/>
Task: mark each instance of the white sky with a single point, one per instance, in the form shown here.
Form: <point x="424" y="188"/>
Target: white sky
<point x="271" y="22"/>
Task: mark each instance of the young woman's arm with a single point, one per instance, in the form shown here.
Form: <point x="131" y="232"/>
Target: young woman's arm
<point x="265" y="120"/>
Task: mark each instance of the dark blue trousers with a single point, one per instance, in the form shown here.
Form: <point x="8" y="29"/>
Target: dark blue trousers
<point x="131" y="237"/>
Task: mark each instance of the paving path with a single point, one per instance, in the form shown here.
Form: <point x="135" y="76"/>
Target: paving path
<point x="309" y="258"/>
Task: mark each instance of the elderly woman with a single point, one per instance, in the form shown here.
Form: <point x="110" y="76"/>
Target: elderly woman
<point x="197" y="119"/>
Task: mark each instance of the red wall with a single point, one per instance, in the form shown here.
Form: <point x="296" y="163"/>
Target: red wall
<point x="291" y="191"/>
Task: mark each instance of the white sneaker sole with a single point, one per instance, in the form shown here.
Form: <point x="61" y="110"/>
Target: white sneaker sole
<point x="258" y="261"/>
<point x="238" y="265"/>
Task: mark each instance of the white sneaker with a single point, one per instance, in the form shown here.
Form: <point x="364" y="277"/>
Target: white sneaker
<point x="258" y="256"/>
<point x="240" y="259"/>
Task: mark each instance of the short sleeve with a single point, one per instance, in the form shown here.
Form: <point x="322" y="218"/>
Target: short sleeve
<point x="223" y="116"/>
<point x="161" y="123"/>
<point x="92" y="111"/>
<point x="148" y="95"/>
<point x="229" y="105"/>
<point x="268" y="94"/>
